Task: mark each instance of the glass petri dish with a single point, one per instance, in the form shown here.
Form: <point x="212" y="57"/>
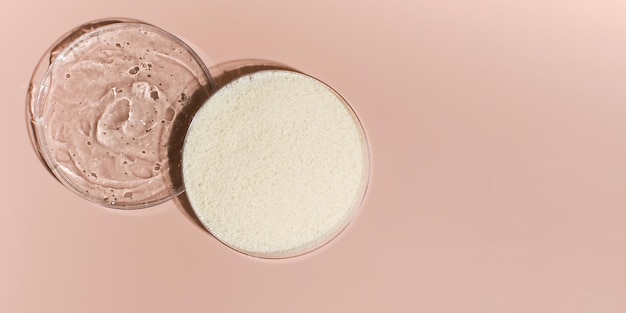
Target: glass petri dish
<point x="108" y="106"/>
<point x="275" y="164"/>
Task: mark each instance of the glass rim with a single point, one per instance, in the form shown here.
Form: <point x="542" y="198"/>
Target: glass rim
<point x="37" y="92"/>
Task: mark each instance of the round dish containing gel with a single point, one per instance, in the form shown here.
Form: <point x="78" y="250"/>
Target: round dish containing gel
<point x="110" y="110"/>
<point x="275" y="164"/>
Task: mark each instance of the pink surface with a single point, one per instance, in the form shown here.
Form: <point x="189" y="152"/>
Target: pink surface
<point x="498" y="141"/>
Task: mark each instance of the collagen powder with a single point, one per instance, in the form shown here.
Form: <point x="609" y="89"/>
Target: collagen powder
<point x="275" y="164"/>
<point x="108" y="110"/>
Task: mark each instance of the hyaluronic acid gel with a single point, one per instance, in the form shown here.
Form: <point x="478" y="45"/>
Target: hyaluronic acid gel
<point x="107" y="111"/>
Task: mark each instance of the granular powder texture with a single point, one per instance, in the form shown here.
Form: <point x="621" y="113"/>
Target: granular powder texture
<point x="275" y="163"/>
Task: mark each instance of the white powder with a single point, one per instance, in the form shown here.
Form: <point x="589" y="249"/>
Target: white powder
<point x="275" y="163"/>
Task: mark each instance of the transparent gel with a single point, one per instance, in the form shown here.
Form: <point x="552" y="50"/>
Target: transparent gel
<point x="108" y="113"/>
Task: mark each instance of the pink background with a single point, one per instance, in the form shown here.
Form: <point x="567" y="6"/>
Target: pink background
<point x="499" y="147"/>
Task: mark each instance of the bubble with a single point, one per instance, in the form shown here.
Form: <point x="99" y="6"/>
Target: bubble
<point x="169" y="114"/>
<point x="184" y="97"/>
<point x="68" y="75"/>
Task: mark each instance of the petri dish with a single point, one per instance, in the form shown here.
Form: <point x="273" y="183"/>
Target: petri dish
<point x="275" y="164"/>
<point x="108" y="106"/>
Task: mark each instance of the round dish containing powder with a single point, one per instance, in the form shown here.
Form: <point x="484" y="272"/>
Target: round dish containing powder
<point x="275" y="164"/>
<point x="108" y="113"/>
